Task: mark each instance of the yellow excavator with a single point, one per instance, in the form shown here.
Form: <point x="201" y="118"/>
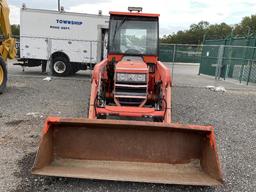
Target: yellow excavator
<point x="7" y="45"/>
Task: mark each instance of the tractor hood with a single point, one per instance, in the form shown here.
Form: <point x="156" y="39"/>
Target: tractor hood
<point x="135" y="66"/>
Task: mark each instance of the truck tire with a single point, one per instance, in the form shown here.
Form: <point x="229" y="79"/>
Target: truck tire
<point x="60" y="66"/>
<point x="3" y="75"/>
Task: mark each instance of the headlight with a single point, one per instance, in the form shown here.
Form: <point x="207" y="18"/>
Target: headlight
<point x="128" y="77"/>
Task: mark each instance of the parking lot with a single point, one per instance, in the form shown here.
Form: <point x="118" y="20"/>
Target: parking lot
<point x="29" y="100"/>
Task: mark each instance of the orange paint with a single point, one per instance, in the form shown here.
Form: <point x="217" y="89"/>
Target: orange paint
<point x="129" y="111"/>
<point x="131" y="67"/>
<point x="150" y="59"/>
<point x="48" y="122"/>
<point x="138" y="14"/>
<point x="212" y="140"/>
<point x="116" y="57"/>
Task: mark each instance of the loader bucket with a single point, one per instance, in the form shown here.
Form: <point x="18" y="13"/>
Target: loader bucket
<point x="128" y="151"/>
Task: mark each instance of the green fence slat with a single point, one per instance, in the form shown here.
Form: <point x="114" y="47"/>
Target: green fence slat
<point x="236" y="60"/>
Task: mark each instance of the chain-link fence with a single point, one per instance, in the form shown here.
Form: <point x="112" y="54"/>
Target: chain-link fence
<point x="180" y="53"/>
<point x="220" y="61"/>
<point x="226" y="61"/>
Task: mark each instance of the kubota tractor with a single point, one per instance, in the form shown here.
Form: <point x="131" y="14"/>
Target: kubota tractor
<point x="130" y="84"/>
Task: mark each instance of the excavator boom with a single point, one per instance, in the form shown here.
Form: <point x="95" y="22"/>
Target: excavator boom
<point x="7" y="46"/>
<point x="4" y="19"/>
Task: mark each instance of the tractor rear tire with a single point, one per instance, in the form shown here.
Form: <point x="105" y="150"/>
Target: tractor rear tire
<point x="3" y="75"/>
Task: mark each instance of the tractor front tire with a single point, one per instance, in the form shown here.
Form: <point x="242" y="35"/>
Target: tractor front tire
<point x="3" y="75"/>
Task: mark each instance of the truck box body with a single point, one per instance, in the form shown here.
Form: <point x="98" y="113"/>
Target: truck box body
<point x="79" y="36"/>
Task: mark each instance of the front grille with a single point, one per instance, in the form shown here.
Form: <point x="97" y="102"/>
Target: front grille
<point x="130" y="93"/>
<point x="130" y="101"/>
<point x="135" y="91"/>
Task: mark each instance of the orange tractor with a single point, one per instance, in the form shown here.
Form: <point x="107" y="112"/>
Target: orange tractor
<point x="143" y="145"/>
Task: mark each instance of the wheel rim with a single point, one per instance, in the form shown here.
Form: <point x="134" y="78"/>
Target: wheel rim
<point x="59" y="67"/>
<point x="1" y="75"/>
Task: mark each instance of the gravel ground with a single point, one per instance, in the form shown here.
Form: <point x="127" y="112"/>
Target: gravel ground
<point x="232" y="113"/>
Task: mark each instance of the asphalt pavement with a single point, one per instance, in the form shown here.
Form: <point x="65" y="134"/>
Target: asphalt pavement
<point x="29" y="100"/>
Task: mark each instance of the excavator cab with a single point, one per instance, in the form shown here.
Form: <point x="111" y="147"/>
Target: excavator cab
<point x="130" y="83"/>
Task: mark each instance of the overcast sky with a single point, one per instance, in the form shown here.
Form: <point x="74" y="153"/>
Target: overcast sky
<point x="175" y="14"/>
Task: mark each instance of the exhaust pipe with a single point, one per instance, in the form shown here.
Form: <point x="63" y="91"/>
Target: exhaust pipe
<point x="129" y="151"/>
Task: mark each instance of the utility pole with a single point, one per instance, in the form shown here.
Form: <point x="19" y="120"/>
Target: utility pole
<point x="58" y="5"/>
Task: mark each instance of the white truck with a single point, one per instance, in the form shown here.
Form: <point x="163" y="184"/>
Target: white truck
<point x="67" y="41"/>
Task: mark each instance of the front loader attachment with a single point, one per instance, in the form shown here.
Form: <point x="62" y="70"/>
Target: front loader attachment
<point x="128" y="151"/>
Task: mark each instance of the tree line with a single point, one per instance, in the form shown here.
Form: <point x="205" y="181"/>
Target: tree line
<point x="204" y="30"/>
<point x="15" y="30"/>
